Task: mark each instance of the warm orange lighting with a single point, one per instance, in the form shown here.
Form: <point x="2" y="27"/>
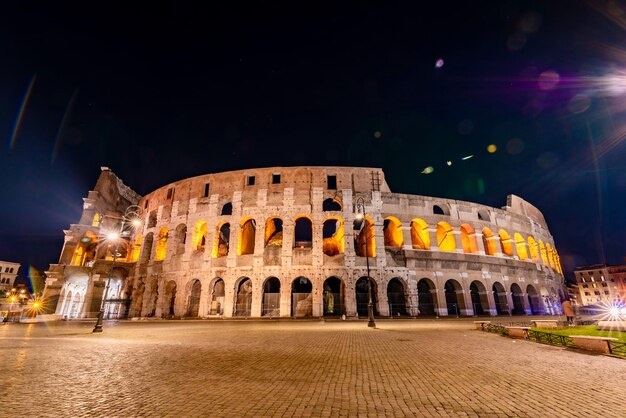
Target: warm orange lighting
<point x="420" y="237"/>
<point x="445" y="237"/>
<point x="113" y="236"/>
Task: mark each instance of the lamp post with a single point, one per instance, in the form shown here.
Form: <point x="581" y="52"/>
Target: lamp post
<point x="131" y="216"/>
<point x="361" y="217"/>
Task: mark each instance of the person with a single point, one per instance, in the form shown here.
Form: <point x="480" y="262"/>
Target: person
<point x="569" y="312"/>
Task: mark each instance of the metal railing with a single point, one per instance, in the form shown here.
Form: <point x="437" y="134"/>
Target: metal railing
<point x="617" y="348"/>
<point x="495" y="328"/>
<point x="549" y="338"/>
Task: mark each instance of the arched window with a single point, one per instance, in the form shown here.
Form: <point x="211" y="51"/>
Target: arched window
<point x="544" y="254"/>
<point x="534" y="249"/>
<point x="227" y="209"/>
<point x="520" y="246"/>
<point x="161" y="248"/>
<point x="468" y="239"/>
<point x="333" y="237"/>
<point x="199" y="236"/>
<point x="506" y="243"/>
<point x="483" y="215"/>
<point x="365" y="238"/>
<point x="445" y="237"/>
<point x="96" y="220"/>
<point x="247" y="236"/>
<point x="489" y="242"/>
<point x="303" y="233"/>
<point x="274" y="232"/>
<point x="222" y="241"/>
<point x="550" y="255"/>
<point x="136" y="249"/>
<point x="440" y="210"/>
<point x="420" y="237"/>
<point x="332" y="205"/>
<point x="181" y="238"/>
<point x="392" y="230"/>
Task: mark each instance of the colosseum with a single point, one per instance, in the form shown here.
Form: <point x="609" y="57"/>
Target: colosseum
<point x="299" y="242"/>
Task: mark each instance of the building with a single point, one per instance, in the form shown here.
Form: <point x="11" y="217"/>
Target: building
<point x="287" y="241"/>
<point x="8" y="274"/>
<point x="601" y="284"/>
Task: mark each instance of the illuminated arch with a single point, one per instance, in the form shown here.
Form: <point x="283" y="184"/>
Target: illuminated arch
<point x="392" y="230"/>
<point x="445" y="237"/>
<point x="420" y="237"/>
<point x="199" y="235"/>
<point x="550" y="255"/>
<point x="96" y="220"/>
<point x="136" y="249"/>
<point x="506" y="243"/>
<point x="468" y="239"/>
<point x="544" y="255"/>
<point x="161" y="247"/>
<point x="520" y="246"/>
<point x="489" y="242"/>
<point x="247" y="236"/>
<point x="303" y="232"/>
<point x="221" y="243"/>
<point x="333" y="236"/>
<point x="274" y="232"/>
<point x="533" y="249"/>
<point x="366" y="235"/>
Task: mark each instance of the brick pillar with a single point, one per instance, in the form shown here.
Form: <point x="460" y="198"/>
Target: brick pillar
<point x="492" y="304"/>
<point x="442" y="307"/>
<point x="285" y="299"/>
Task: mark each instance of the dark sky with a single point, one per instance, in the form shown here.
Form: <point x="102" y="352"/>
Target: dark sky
<point x="163" y="92"/>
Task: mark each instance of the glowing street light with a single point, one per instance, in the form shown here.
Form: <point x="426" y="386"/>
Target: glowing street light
<point x="131" y="217"/>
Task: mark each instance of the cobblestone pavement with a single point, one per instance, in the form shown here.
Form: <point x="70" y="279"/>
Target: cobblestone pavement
<point x="293" y="368"/>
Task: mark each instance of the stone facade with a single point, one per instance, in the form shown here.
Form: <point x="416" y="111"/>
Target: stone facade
<point x="298" y="241"/>
<point x="601" y="284"/>
<point x="8" y="274"/>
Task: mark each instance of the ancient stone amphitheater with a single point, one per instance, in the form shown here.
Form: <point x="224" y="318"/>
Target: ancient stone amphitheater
<point x="298" y="242"/>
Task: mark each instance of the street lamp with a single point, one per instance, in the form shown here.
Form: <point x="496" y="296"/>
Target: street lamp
<point x="361" y="217"/>
<point x="131" y="217"/>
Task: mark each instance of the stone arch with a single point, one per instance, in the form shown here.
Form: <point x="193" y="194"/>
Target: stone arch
<point x="455" y="300"/>
<point x="271" y="297"/>
<point x="468" y="239"/>
<point x="113" y="298"/>
<point x="550" y="255"/>
<point x="85" y="250"/>
<point x="247" y="236"/>
<point x="520" y="246"/>
<point x="227" y="209"/>
<point x="441" y="209"/>
<point x="221" y="245"/>
<point x="506" y="244"/>
<point x="489" y="242"/>
<point x="274" y="232"/>
<point x="397" y="297"/>
<point x="96" y="220"/>
<point x="334" y="296"/>
<point x="193" y="303"/>
<point x="301" y="297"/>
<point x="303" y="232"/>
<point x="243" y="297"/>
<point x="199" y="239"/>
<point x="445" y="237"/>
<point x="533" y="248"/>
<point x="333" y="239"/>
<point x="392" y="230"/>
<point x="365" y="238"/>
<point x="544" y="254"/>
<point x="218" y="293"/>
<point x="331" y="205"/>
<point x="478" y="295"/>
<point x="499" y="297"/>
<point x="427" y="297"/>
<point x="161" y="248"/>
<point x="518" y="299"/>
<point x="362" y="296"/>
<point x="181" y="238"/>
<point x="169" y="308"/>
<point x="534" y="300"/>
<point x="420" y="236"/>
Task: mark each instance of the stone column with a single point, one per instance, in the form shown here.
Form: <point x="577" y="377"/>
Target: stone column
<point x="205" y="296"/>
<point x="285" y="300"/>
<point x="509" y="301"/>
<point x="229" y="296"/>
<point x="442" y="306"/>
<point x="88" y="296"/>
<point x="256" y="308"/>
<point x="406" y="236"/>
<point x="492" y="304"/>
<point x="318" y="250"/>
<point x="468" y="310"/>
<point x="527" y="308"/>
<point x="288" y="231"/>
<point x="383" y="301"/>
<point x="458" y="242"/>
<point x="480" y="243"/>
<point x="317" y="295"/>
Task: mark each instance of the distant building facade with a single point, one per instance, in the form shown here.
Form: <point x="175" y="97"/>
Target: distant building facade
<point x="8" y="274"/>
<point x="601" y="284"/>
<point x="296" y="241"/>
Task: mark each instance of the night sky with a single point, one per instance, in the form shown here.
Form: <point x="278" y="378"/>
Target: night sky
<point x="159" y="93"/>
